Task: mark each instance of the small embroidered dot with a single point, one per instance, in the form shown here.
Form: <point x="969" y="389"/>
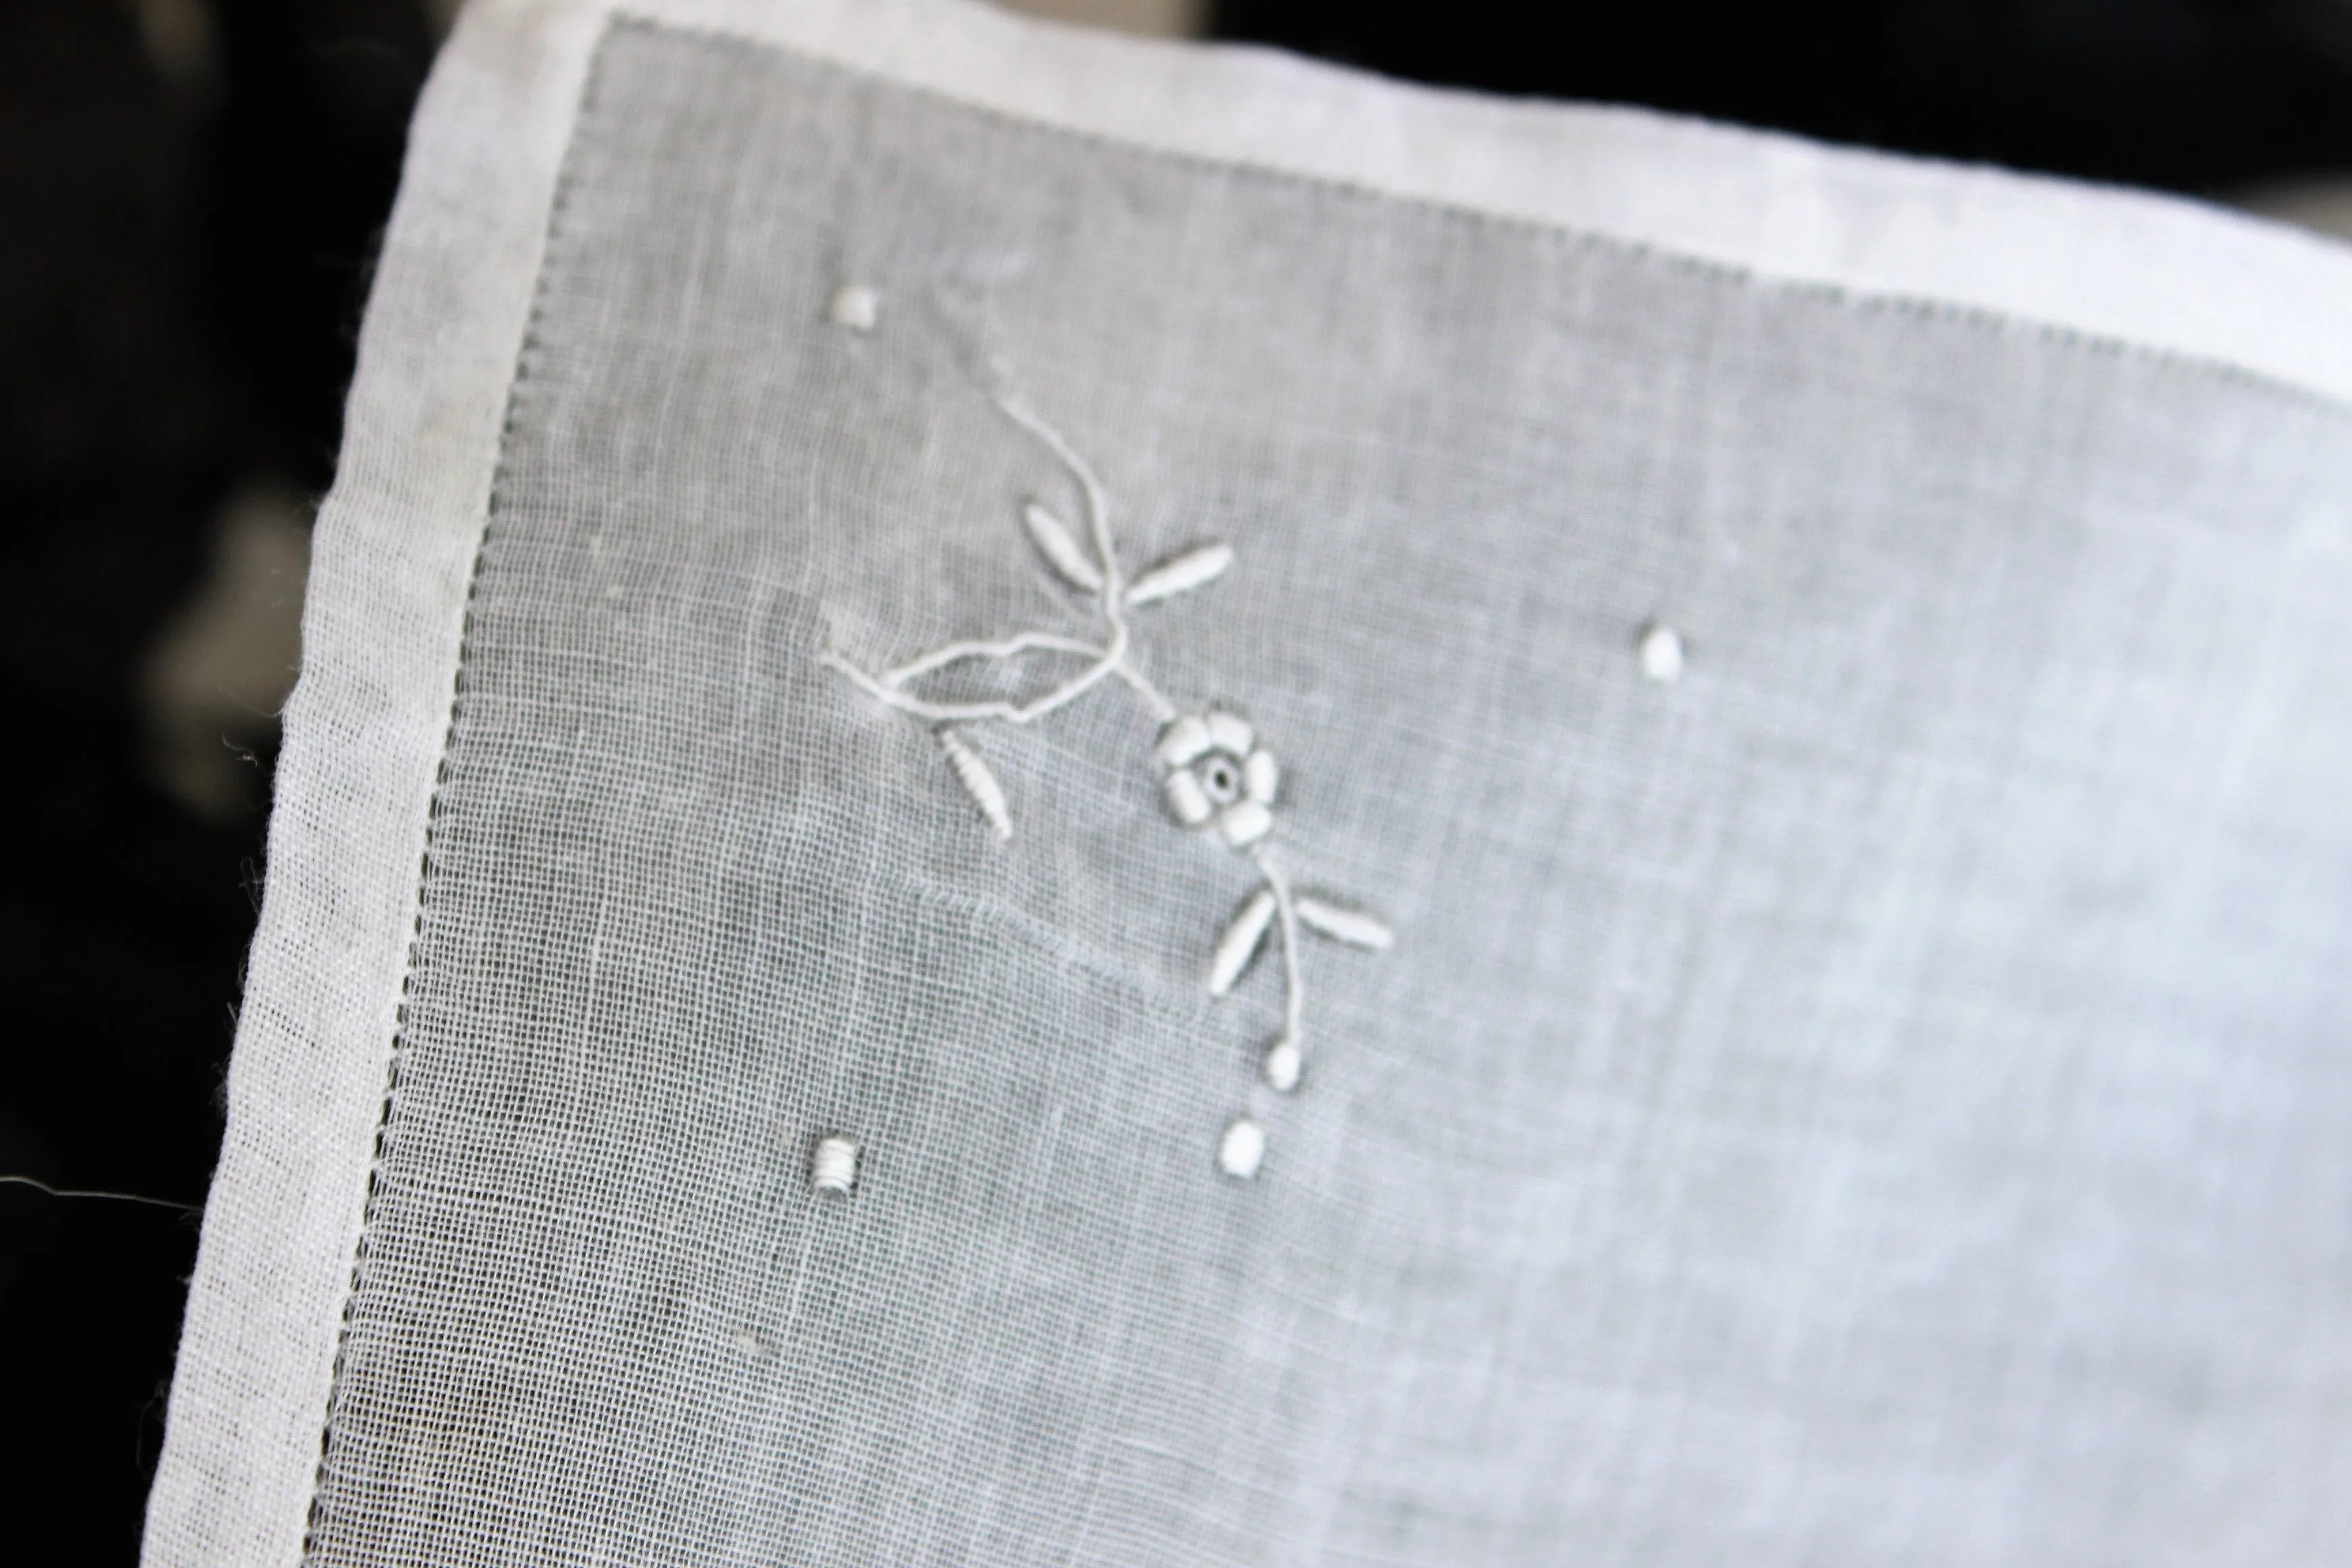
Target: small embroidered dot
<point x="1241" y="1150"/>
<point x="1282" y="1065"/>
<point x="834" y="1168"/>
<point x="1662" y="652"/>
<point x="855" y="306"/>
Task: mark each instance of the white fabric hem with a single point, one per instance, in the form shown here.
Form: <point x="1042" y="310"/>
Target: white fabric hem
<point x="2159" y="272"/>
<point x="364" y="735"/>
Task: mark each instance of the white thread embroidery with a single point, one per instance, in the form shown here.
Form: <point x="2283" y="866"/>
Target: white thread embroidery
<point x="1214" y="773"/>
<point x="1215" y="776"/>
<point x="1661" y="652"/>
<point x="1241" y="942"/>
<point x="1241" y="1150"/>
<point x="974" y="774"/>
<point x="833" y="1167"/>
<point x="854" y="306"/>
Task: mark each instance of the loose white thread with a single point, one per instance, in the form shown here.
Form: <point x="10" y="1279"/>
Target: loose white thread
<point x="1241" y="1150"/>
<point x="1661" y="651"/>
<point x="978" y="783"/>
<point x="833" y="1167"/>
<point x="41" y="1186"/>
<point x="856" y="307"/>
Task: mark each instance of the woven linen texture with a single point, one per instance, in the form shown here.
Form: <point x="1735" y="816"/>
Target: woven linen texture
<point x="1879" y="1098"/>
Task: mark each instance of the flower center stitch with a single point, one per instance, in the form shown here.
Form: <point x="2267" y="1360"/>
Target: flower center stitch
<point x="1220" y="780"/>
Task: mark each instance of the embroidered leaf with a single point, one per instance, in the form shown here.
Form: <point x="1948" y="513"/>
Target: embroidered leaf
<point x="1351" y="926"/>
<point x="1178" y="573"/>
<point x="1055" y="542"/>
<point x="978" y="781"/>
<point x="1241" y="942"/>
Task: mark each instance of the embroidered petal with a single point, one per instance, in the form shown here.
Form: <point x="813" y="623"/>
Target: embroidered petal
<point x="1187" y="799"/>
<point x="1259" y="776"/>
<point x="1180" y="573"/>
<point x="1230" y="731"/>
<point x="1282" y="1064"/>
<point x="1181" y="742"/>
<point x="1244" y="823"/>
<point x="1056" y="544"/>
<point x="1351" y="926"/>
<point x="1241" y="942"/>
<point x="978" y="783"/>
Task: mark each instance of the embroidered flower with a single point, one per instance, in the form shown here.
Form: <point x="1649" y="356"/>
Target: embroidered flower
<point x="1217" y="777"/>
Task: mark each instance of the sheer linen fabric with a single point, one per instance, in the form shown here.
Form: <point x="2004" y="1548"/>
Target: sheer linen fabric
<point x="1878" y="1097"/>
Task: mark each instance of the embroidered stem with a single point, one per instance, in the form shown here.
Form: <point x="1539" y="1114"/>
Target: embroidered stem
<point x="1286" y="916"/>
<point x="1106" y="661"/>
<point x="1159" y="708"/>
<point x="998" y="649"/>
<point x="1109" y="657"/>
<point x="1097" y="504"/>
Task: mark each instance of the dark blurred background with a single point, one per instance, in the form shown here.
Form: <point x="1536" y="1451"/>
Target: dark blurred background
<point x="191" y="192"/>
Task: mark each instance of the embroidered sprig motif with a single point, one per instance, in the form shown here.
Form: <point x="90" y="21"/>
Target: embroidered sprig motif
<point x="1214" y="770"/>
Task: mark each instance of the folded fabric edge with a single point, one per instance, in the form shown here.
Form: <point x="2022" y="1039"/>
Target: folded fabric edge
<point x="2159" y="272"/>
<point x="365" y="732"/>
